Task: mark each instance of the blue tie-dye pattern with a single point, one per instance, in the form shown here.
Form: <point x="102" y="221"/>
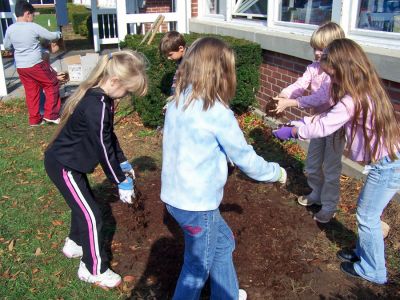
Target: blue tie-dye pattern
<point x="194" y="169"/>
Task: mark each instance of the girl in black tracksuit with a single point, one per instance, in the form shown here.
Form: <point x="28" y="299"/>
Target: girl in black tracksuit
<point x="84" y="139"/>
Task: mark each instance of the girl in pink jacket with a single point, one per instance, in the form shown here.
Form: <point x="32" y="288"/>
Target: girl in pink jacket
<point x="372" y="132"/>
<point x="323" y="163"/>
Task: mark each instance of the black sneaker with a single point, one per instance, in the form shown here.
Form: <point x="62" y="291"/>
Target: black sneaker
<point x="348" y="268"/>
<point x="347" y="255"/>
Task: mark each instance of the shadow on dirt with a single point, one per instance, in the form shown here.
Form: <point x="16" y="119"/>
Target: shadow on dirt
<point x="360" y="291"/>
<point x="165" y="262"/>
<point x="337" y="233"/>
<point x="105" y="194"/>
<point x="163" y="265"/>
<point x="272" y="150"/>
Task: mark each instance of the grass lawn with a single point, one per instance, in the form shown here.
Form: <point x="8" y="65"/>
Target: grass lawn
<point x="46" y="19"/>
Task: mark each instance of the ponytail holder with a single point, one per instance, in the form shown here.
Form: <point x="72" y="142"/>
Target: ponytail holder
<point x="110" y="55"/>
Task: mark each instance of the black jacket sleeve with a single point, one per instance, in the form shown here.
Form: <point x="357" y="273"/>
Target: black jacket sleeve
<point x="101" y="130"/>
<point x="120" y="154"/>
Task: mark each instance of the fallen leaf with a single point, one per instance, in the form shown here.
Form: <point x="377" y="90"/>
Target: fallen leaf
<point x="129" y="278"/>
<point x="6" y="274"/>
<point x="34" y="271"/>
<point x="14" y="276"/>
<point x="114" y="263"/>
<point x="38" y="252"/>
<point x="11" y="245"/>
<point x="57" y="222"/>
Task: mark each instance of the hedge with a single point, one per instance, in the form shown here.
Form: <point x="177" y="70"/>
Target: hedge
<point x="73" y="9"/>
<point x="45" y="10"/>
<point x="79" y="21"/>
<point x="161" y="73"/>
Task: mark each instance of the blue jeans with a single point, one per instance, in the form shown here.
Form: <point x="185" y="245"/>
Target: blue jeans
<point x="209" y="244"/>
<point x="383" y="181"/>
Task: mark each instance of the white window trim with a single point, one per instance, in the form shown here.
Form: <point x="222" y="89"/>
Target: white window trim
<point x="344" y="12"/>
<point x="248" y="15"/>
<point x="203" y="8"/>
<point x="371" y="37"/>
<point x="274" y="22"/>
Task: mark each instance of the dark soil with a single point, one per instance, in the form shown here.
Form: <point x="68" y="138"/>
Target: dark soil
<point x="281" y="253"/>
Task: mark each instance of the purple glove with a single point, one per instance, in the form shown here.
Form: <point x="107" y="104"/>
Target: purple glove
<point x="284" y="133"/>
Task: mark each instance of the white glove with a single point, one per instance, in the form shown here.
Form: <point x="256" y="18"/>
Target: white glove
<point x="126" y="191"/>
<point x="126" y="196"/>
<point x="283" y="177"/>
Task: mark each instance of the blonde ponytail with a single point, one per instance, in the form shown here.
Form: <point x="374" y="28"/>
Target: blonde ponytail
<point x="129" y="66"/>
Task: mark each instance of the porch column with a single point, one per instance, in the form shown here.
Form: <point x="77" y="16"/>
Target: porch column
<point x="3" y="85"/>
<point x="183" y="9"/>
<point x="95" y="24"/>
<point x="121" y="20"/>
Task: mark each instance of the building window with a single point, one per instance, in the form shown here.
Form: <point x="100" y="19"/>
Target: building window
<point x="214" y="8"/>
<point x="305" y="11"/>
<point x="380" y="15"/>
<point x="41" y="2"/>
<point x="250" y="9"/>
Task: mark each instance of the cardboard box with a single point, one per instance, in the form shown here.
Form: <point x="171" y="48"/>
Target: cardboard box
<point x="72" y="64"/>
<point x="88" y="62"/>
<point x="79" y="67"/>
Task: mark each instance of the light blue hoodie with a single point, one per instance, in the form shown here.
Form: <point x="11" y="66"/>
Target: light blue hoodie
<point x="194" y="169"/>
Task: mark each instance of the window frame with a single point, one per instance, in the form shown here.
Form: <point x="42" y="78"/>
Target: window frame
<point x="348" y="21"/>
<point x="235" y="6"/>
<point x="204" y="8"/>
<point x="369" y="36"/>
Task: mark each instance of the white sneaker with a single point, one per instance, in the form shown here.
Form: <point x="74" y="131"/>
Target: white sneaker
<point x="242" y="294"/>
<point x="108" y="279"/>
<point x="385" y="229"/>
<point x="39" y="124"/>
<point x="324" y="216"/>
<point x="56" y="121"/>
<point x="307" y="201"/>
<point x="71" y="249"/>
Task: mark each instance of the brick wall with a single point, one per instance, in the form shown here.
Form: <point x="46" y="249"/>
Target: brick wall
<point x="157" y="6"/>
<point x="279" y="70"/>
<point x="195" y="8"/>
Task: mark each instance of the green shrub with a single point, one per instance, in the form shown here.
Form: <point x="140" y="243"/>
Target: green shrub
<point x="45" y="10"/>
<point x="161" y="73"/>
<point x="79" y="20"/>
<point x="73" y="9"/>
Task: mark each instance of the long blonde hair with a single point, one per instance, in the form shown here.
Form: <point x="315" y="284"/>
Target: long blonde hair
<point x="128" y="66"/>
<point x="209" y="67"/>
<point x="354" y="75"/>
